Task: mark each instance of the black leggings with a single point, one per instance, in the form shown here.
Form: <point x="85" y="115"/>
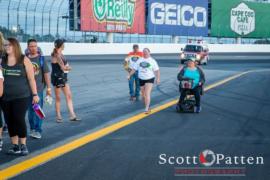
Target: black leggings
<point x="197" y="93"/>
<point x="14" y="114"/>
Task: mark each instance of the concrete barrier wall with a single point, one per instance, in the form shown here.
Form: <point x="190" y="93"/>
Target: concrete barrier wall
<point x="105" y="49"/>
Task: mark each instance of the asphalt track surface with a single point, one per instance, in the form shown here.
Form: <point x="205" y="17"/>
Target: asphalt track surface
<point x="234" y="121"/>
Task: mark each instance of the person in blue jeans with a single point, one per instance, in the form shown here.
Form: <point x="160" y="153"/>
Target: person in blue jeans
<point x="42" y="76"/>
<point x="134" y="84"/>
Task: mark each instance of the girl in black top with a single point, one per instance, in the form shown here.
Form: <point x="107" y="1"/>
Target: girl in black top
<point x="19" y="85"/>
<point x="60" y="69"/>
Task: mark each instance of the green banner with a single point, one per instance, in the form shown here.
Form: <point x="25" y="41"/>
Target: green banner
<point x="237" y="18"/>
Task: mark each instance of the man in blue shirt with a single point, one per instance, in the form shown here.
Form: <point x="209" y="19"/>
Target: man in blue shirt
<point x="195" y="73"/>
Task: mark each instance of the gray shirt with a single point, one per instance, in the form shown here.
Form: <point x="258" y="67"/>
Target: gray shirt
<point x="38" y="70"/>
<point x="16" y="84"/>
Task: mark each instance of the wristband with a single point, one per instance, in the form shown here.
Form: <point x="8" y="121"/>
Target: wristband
<point x="34" y="95"/>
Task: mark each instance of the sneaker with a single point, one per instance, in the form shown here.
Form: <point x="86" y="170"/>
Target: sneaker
<point x="147" y="111"/>
<point x="24" y="150"/>
<point x="198" y="109"/>
<point x="32" y="133"/>
<point x="36" y="135"/>
<point x="14" y="150"/>
<point x="1" y="144"/>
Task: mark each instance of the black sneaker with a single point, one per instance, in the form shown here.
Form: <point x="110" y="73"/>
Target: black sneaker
<point x="198" y="109"/>
<point x="1" y="144"/>
<point x="24" y="150"/>
<point x="5" y="129"/>
<point x="14" y="150"/>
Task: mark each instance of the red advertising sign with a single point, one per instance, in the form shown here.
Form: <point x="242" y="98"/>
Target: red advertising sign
<point x="126" y="16"/>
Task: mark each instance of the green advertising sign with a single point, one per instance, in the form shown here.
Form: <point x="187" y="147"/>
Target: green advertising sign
<point x="237" y="18"/>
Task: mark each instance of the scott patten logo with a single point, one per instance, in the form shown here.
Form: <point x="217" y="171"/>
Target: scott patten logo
<point x="242" y="19"/>
<point x="115" y="11"/>
<point x="208" y="163"/>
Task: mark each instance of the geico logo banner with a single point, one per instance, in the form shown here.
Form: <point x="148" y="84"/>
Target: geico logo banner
<point x="180" y="15"/>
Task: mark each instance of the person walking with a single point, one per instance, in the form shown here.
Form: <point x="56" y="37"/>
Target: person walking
<point x="42" y="77"/>
<point x="148" y="71"/>
<point x="60" y="70"/>
<point x="134" y="84"/>
<point x="19" y="86"/>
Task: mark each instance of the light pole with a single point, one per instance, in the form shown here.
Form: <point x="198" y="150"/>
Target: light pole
<point x="42" y="18"/>
<point x="50" y="11"/>
<point x="26" y="14"/>
<point x="18" y="8"/>
<point x="34" y="28"/>
<point x="8" y="14"/>
<point x="57" y="26"/>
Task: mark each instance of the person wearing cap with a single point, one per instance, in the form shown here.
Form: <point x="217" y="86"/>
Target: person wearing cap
<point x="194" y="72"/>
<point x="60" y="70"/>
<point x="134" y="79"/>
<point x="42" y="77"/>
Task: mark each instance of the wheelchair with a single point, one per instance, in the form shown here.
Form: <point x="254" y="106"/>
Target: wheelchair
<point x="188" y="104"/>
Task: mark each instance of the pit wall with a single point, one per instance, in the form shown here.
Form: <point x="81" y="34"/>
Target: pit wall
<point x="105" y="49"/>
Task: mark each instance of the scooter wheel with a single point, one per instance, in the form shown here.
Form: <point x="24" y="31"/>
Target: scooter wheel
<point x="178" y="108"/>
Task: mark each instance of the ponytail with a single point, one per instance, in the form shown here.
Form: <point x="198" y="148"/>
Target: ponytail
<point x="54" y="52"/>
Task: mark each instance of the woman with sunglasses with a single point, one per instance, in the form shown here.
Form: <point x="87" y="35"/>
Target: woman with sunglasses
<point x="19" y="86"/>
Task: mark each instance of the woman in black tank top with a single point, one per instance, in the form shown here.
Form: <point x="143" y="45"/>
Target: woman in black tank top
<point x="19" y="85"/>
<point x="60" y="69"/>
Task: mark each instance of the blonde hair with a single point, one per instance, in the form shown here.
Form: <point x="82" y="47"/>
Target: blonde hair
<point x="2" y="40"/>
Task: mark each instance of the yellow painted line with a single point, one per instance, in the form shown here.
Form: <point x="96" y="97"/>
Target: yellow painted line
<point x="33" y="162"/>
<point x="225" y="80"/>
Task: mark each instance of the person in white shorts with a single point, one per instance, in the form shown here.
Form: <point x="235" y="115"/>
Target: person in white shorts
<point x="148" y="71"/>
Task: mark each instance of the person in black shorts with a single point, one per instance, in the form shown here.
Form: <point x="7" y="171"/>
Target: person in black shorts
<point x="60" y="70"/>
<point x="148" y="70"/>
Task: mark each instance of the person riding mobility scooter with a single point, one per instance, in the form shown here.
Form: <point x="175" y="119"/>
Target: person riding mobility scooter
<point x="191" y="79"/>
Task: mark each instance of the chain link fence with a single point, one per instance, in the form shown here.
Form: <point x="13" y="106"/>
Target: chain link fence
<point x="46" y="20"/>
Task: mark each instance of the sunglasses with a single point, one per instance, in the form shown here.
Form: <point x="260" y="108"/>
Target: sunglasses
<point x="7" y="45"/>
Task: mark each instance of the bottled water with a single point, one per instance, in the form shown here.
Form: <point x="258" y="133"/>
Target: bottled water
<point x="48" y="100"/>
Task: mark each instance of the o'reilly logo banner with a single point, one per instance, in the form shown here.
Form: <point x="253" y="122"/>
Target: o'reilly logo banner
<point x="178" y="17"/>
<point x="242" y="19"/>
<point x="113" y="16"/>
<point x="115" y="10"/>
<point x="237" y="18"/>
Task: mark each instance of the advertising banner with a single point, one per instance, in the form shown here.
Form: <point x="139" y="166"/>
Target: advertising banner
<point x="126" y="16"/>
<point x="237" y="18"/>
<point x="178" y="17"/>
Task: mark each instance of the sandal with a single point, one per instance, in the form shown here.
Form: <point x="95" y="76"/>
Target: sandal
<point x="75" y="119"/>
<point x="59" y="120"/>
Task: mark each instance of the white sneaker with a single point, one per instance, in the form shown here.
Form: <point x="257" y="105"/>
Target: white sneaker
<point x="37" y="135"/>
<point x="32" y="133"/>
